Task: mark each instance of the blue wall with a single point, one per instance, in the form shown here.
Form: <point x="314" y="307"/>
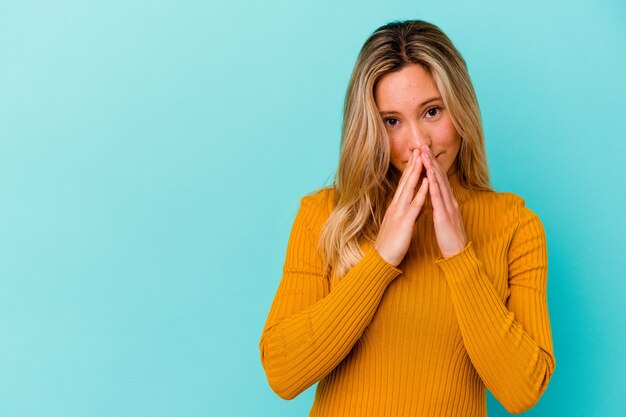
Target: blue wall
<point x="152" y="157"/>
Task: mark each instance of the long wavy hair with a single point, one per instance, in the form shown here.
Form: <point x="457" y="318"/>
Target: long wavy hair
<point x="365" y="180"/>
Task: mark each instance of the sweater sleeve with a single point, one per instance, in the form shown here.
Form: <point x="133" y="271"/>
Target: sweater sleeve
<point x="310" y="329"/>
<point x="509" y="344"/>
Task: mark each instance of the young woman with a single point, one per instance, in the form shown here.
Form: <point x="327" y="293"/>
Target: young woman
<point x="410" y="286"/>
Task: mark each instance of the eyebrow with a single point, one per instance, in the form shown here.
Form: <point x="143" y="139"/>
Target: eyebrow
<point x="384" y="112"/>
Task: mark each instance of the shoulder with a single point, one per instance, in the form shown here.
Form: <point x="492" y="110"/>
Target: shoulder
<point x="321" y="199"/>
<point x="503" y="207"/>
<point x="499" y="199"/>
<point x="315" y="208"/>
<point x="516" y="211"/>
<point x="503" y="200"/>
<point x="518" y="204"/>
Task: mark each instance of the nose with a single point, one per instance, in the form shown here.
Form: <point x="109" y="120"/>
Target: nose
<point x="417" y="137"/>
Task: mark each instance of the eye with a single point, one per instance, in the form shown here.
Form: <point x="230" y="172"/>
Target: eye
<point x="388" y="121"/>
<point x="430" y="110"/>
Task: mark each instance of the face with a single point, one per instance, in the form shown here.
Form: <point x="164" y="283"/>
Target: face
<point x="413" y="112"/>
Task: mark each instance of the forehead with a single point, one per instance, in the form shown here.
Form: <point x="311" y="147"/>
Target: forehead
<point x="408" y="85"/>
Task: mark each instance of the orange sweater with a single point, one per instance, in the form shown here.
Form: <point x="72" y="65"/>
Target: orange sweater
<point x="425" y="338"/>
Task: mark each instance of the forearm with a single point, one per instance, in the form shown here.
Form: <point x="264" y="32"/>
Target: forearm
<point x="513" y="365"/>
<point x="300" y="349"/>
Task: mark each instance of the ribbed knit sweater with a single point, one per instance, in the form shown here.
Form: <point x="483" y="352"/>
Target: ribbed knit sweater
<point x="425" y="338"/>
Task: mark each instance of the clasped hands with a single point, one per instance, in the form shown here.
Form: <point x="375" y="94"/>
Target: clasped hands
<point x="396" y="230"/>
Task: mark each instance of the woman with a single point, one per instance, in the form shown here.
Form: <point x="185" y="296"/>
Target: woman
<point x="410" y="286"/>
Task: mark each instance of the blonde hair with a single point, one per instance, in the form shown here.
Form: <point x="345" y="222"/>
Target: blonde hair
<point x="365" y="180"/>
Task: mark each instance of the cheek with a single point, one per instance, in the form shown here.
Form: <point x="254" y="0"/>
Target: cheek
<point x="396" y="155"/>
<point x="395" y="149"/>
<point x="447" y="136"/>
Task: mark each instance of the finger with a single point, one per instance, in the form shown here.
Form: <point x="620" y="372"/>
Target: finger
<point x="400" y="186"/>
<point x="444" y="186"/>
<point x="409" y="171"/>
<point x="444" y="177"/>
<point x="408" y="193"/>
<point x="420" y="197"/>
<point x="434" y="187"/>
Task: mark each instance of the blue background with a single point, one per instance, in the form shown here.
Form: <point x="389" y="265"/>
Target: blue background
<point x="152" y="157"/>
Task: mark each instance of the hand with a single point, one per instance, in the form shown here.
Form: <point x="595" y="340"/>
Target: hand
<point x="449" y="227"/>
<point x="396" y="230"/>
